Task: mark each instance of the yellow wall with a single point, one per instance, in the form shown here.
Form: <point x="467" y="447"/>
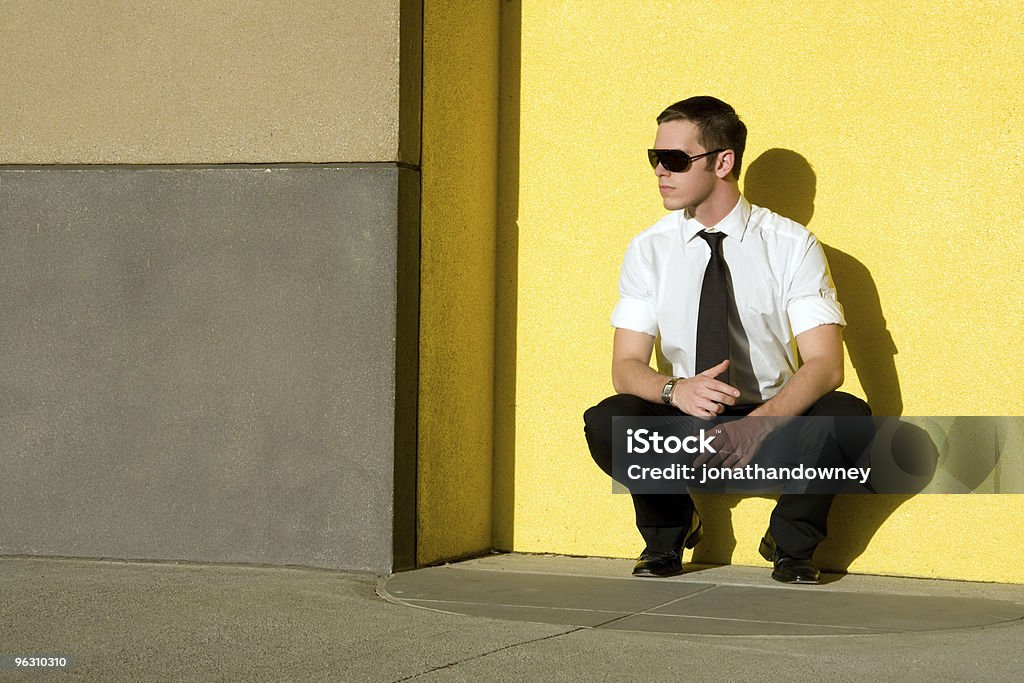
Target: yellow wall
<point x="893" y="130"/>
<point x="207" y="81"/>
<point x="459" y="171"/>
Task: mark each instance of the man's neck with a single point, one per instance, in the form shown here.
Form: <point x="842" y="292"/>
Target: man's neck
<point x="718" y="205"/>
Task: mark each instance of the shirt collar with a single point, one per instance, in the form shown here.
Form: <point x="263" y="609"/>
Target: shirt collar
<point x="733" y="225"/>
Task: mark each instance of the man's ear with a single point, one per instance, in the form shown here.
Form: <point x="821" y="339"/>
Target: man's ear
<point x="726" y="159"/>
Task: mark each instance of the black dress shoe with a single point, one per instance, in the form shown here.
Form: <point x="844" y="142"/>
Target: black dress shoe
<point x="663" y="563"/>
<point x="658" y="563"/>
<point x="791" y="570"/>
<point x="788" y="569"/>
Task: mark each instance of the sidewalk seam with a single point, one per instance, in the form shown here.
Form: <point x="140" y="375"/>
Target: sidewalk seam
<point x="450" y="665"/>
<point x="664" y="604"/>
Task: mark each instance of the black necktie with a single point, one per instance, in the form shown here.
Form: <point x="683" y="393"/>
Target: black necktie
<point x="713" y="314"/>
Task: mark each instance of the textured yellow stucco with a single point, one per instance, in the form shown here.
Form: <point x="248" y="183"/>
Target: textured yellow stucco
<point x="460" y="124"/>
<point x="205" y="81"/>
<point x="893" y="130"/>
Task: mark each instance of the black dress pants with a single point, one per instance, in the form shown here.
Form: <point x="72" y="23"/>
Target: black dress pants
<point x="798" y="522"/>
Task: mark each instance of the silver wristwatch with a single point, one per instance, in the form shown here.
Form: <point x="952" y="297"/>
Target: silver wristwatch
<point x="666" y="393"/>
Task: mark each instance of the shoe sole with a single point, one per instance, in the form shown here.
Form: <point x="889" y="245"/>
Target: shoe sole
<point x="806" y="582"/>
<point x="649" y="575"/>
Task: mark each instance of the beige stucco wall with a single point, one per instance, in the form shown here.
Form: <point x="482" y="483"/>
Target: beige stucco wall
<point x="208" y="81"/>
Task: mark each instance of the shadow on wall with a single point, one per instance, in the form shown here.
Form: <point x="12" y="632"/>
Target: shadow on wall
<point x="785" y="182"/>
<point x="506" y="310"/>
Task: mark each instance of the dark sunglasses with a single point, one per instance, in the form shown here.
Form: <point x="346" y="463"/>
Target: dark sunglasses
<point x="675" y="160"/>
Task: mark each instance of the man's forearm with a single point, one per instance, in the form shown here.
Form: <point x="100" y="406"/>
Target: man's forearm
<point x="814" y="379"/>
<point x="635" y="377"/>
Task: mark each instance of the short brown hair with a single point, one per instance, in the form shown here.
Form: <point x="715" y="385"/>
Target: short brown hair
<point x="718" y="126"/>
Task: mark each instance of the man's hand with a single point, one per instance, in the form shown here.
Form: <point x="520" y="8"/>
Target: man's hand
<point x="736" y="443"/>
<point x="704" y="396"/>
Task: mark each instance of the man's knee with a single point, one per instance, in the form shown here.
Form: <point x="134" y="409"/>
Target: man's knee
<point x="597" y="420"/>
<point x="851" y="431"/>
<point x="597" y="426"/>
<point x="839" y="404"/>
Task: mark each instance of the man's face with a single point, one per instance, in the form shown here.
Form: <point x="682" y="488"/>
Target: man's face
<point x="686" y="190"/>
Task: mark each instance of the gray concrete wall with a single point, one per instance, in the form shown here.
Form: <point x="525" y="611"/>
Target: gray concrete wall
<point x="201" y="363"/>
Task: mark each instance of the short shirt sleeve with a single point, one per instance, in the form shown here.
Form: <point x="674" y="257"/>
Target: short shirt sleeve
<point x="812" y="297"/>
<point x="635" y="309"/>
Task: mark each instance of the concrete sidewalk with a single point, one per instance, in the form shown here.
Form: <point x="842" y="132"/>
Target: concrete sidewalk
<point x="149" y="621"/>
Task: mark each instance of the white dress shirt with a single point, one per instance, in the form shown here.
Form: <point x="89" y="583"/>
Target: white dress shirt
<point x="780" y="280"/>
